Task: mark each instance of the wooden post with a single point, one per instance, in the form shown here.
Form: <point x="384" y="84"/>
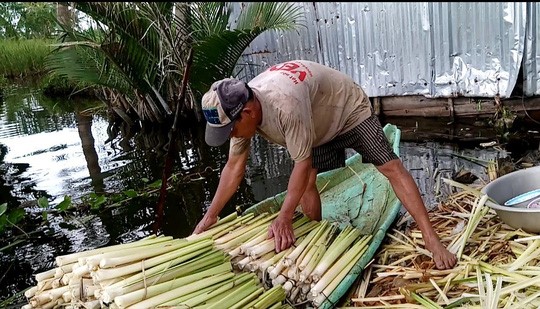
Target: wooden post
<point x="377" y="106"/>
<point x="451" y="108"/>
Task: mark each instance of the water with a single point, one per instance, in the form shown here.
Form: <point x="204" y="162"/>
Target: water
<point x="56" y="152"/>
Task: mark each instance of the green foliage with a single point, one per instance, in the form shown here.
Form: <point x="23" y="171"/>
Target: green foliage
<point x="141" y="50"/>
<point x="64" y="204"/>
<point x="20" y="58"/>
<point x="58" y="86"/>
<point x="3" y="82"/>
<point x="43" y="202"/>
<point x="95" y="200"/>
<point x="27" y="20"/>
<point x="10" y="217"/>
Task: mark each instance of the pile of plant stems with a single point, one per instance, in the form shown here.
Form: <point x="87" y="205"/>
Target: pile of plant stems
<point x="309" y="271"/>
<point x="154" y="272"/>
<point x="498" y="266"/>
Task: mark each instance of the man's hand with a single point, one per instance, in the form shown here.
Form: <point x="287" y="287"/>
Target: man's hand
<point x="206" y="222"/>
<point x="282" y="231"/>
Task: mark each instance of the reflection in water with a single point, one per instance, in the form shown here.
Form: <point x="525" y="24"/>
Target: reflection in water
<point x="64" y="153"/>
<point x="84" y="126"/>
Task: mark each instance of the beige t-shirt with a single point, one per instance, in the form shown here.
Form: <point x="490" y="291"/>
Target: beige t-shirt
<point x="304" y="105"/>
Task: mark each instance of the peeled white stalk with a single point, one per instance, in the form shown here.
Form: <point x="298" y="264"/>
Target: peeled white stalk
<point x="335" y="250"/>
<point x="275" y="294"/>
<point x="247" y="300"/>
<point x="274" y="259"/>
<point x="31" y="292"/>
<point x="321" y="294"/>
<point x="244" y="248"/>
<point x="153" y="277"/>
<point x="103" y="274"/>
<point x="346" y="261"/>
<point x="306" y="270"/>
<point x="323" y="228"/>
<point x="291" y="258"/>
<point x="93" y="261"/>
<point x="257" y="224"/>
<point x="221" y="229"/>
<point x="128" y="299"/>
<point x="202" y="256"/>
<point x="239" y="240"/>
<point x="62" y="270"/>
<point x="198" y="297"/>
<point x="95" y="258"/>
<point x="232" y="296"/>
<point x="141" y="255"/>
<point x="262" y="248"/>
<point x="48" y="274"/>
<point x="73" y="257"/>
<point x="179" y="291"/>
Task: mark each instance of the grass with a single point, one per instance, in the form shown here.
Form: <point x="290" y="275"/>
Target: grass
<point x="23" y="58"/>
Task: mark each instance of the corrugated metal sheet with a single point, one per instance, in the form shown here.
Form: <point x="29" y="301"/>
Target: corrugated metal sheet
<point x="436" y="49"/>
<point x="531" y="63"/>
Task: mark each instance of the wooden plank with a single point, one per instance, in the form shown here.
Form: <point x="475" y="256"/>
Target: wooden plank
<point x="407" y="106"/>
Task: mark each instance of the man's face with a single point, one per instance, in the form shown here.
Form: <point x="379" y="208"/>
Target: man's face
<point x="245" y="126"/>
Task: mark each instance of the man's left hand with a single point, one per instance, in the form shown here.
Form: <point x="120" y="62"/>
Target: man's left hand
<point x="282" y="231"/>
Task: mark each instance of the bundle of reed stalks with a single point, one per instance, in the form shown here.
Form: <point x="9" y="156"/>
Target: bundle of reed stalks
<point x="498" y="266"/>
<point x="154" y="272"/>
<point x="309" y="271"/>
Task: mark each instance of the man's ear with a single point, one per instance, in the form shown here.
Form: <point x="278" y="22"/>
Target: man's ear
<point x="249" y="110"/>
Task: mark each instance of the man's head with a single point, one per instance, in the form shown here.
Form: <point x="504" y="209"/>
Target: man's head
<point x="222" y="106"/>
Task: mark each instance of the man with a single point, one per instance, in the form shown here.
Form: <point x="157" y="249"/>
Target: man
<point x="316" y="112"/>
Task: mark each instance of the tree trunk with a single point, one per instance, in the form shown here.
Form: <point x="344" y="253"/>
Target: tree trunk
<point x="64" y="15"/>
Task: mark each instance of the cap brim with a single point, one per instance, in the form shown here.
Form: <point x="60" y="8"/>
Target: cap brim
<point x="218" y="136"/>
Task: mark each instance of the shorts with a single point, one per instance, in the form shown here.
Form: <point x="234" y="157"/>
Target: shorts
<point x="367" y="139"/>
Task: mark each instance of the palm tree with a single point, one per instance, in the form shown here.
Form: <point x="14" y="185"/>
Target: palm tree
<point x="138" y="52"/>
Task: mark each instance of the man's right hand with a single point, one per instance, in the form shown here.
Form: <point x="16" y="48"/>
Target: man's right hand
<point x="206" y="222"/>
<point x="282" y="231"/>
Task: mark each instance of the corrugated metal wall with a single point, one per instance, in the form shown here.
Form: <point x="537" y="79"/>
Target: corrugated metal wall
<point x="531" y="63"/>
<point x="438" y="49"/>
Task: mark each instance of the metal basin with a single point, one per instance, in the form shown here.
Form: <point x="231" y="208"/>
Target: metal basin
<point x="510" y="186"/>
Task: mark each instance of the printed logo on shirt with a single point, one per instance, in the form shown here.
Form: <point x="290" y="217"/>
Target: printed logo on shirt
<point x="295" y="72"/>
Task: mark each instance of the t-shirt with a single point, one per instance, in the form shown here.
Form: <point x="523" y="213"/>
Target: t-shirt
<point x="305" y="105"/>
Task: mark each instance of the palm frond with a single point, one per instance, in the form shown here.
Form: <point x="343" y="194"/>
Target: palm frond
<point x="209" y="18"/>
<point x="216" y="57"/>
<point x="271" y="16"/>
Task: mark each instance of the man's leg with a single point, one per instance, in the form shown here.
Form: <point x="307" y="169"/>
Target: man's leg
<point x="311" y="200"/>
<point x="374" y="146"/>
<point x="409" y="195"/>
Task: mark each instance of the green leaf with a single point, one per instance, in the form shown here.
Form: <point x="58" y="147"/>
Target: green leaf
<point x="65" y="204"/>
<point x="16" y="215"/>
<point x="43" y="202"/>
<point x="131" y="193"/>
<point x="98" y="201"/>
<point x="3" y="208"/>
<point x="44" y="215"/>
<point x="155" y="184"/>
<point x="144" y="179"/>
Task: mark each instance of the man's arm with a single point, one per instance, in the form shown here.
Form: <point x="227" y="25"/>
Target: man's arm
<point x="281" y="229"/>
<point x="230" y="179"/>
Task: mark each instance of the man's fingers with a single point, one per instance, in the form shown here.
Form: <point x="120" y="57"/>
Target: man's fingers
<point x="277" y="244"/>
<point x="270" y="232"/>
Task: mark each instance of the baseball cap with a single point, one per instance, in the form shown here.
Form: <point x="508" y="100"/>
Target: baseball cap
<point x="221" y="106"/>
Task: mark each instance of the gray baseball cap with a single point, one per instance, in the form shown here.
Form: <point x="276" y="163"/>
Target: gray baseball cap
<point x="221" y="106"/>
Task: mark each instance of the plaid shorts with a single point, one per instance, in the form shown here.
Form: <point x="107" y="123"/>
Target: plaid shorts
<point x="367" y="139"/>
